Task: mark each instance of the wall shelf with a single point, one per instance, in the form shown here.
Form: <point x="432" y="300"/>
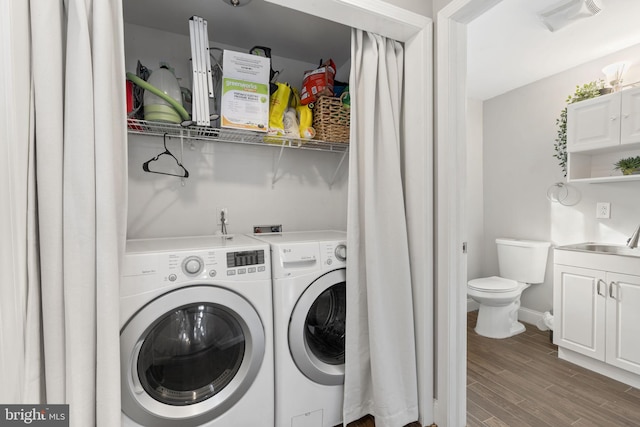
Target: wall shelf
<point x="597" y="166"/>
<point x="608" y="179"/>
<point x="204" y="133"/>
<point x="600" y="132"/>
<point x="209" y="134"/>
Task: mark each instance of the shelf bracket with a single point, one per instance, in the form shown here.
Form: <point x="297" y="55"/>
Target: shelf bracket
<point x="335" y="174"/>
<point x="277" y="166"/>
<point x="182" y="182"/>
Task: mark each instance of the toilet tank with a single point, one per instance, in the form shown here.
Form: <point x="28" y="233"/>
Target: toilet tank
<point x="522" y="260"/>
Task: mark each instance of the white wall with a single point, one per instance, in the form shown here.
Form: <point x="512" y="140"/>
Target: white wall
<point x="150" y="46"/>
<point x="475" y="196"/>
<point x="519" y="134"/>
<point x="223" y="175"/>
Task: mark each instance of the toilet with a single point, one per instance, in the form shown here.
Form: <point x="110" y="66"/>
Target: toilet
<point x="521" y="263"/>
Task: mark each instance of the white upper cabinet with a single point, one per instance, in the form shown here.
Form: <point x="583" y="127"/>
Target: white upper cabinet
<point x="630" y="116"/>
<point x="593" y="123"/>
<point x="605" y="121"/>
<point x="601" y="131"/>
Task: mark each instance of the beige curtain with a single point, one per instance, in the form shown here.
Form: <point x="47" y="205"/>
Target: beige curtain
<point x="380" y="362"/>
<point x="15" y="150"/>
<point x="70" y="227"/>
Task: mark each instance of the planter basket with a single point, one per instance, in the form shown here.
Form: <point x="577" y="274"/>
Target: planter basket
<point x="331" y="120"/>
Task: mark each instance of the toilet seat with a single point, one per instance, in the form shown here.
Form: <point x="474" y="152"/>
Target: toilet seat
<point x="493" y="284"/>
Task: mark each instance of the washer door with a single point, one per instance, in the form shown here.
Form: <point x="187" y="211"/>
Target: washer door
<point x="188" y="356"/>
<point x="317" y="329"/>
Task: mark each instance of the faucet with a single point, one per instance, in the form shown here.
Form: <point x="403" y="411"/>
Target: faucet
<point x="633" y="240"/>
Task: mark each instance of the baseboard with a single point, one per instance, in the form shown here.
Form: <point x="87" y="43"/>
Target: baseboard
<point x="525" y="315"/>
<point x="605" y="369"/>
<point x="532" y="317"/>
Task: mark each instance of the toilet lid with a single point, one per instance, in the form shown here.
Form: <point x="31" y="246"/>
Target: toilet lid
<point x="493" y="284"/>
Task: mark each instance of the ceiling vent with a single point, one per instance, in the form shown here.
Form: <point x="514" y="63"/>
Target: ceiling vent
<point x="569" y="11"/>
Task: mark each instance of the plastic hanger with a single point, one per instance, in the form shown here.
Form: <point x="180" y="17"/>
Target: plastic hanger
<point x="145" y="165"/>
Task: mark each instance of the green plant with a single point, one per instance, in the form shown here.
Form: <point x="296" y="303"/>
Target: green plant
<point x="586" y="91"/>
<point x="628" y="165"/>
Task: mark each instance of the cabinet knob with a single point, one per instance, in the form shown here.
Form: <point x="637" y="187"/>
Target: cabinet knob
<point x="613" y="118"/>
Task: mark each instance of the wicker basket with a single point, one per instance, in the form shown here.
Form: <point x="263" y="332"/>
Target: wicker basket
<point x="331" y="120"/>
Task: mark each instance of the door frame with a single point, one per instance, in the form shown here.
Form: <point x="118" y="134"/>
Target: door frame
<point x="451" y="219"/>
<point x="416" y="32"/>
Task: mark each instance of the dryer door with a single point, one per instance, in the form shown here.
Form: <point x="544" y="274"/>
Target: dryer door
<point x="188" y="356"/>
<point x="317" y="329"/>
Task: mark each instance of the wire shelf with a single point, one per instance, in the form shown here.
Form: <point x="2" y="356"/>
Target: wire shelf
<point x="204" y="133"/>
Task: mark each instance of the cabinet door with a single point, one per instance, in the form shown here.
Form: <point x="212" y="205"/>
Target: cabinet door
<point x="623" y="321"/>
<point x="579" y="302"/>
<point x="593" y="123"/>
<point x="630" y="116"/>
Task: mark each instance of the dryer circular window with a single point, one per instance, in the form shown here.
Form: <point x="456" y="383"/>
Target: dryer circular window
<point x="189" y="355"/>
<point x="317" y="329"/>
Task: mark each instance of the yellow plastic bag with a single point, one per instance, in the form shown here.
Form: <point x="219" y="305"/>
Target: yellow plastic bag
<point x="304" y="115"/>
<point x="278" y="105"/>
<point x="305" y="119"/>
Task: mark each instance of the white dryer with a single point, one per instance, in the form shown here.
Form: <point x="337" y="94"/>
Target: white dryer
<point x="196" y="333"/>
<point x="309" y="297"/>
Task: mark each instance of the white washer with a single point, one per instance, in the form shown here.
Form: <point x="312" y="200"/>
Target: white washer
<point x="309" y="305"/>
<point x="196" y="337"/>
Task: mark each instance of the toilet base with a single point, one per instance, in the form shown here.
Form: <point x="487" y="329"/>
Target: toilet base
<point x="499" y="321"/>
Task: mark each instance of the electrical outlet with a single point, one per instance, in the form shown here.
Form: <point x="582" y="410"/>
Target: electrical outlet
<point x="219" y="215"/>
<point x="603" y="210"/>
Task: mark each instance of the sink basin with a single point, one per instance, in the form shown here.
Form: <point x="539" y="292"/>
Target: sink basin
<point x="603" y="248"/>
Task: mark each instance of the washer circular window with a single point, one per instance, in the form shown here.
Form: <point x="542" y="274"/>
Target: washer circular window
<point x="317" y="329"/>
<point x="189" y="355"/>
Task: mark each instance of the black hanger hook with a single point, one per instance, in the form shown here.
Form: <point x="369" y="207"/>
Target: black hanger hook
<point x="145" y="165"/>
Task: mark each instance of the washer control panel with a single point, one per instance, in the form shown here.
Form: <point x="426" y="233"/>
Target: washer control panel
<point x="245" y="258"/>
<point x="245" y="262"/>
<point x="150" y="271"/>
<point x="192" y="266"/>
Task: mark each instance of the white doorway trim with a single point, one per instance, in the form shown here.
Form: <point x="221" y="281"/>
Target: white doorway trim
<point x="451" y="222"/>
<point x="416" y="32"/>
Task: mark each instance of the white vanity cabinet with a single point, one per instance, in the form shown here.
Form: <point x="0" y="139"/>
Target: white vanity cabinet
<point x="601" y="131"/>
<point x="579" y="310"/>
<point x="623" y="320"/>
<point x="597" y="312"/>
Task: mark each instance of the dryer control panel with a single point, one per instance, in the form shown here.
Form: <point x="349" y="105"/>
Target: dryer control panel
<point x="295" y="259"/>
<point x="334" y="254"/>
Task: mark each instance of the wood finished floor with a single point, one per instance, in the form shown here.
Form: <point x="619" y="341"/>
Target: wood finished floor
<point x="368" y="421"/>
<point x="520" y="382"/>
